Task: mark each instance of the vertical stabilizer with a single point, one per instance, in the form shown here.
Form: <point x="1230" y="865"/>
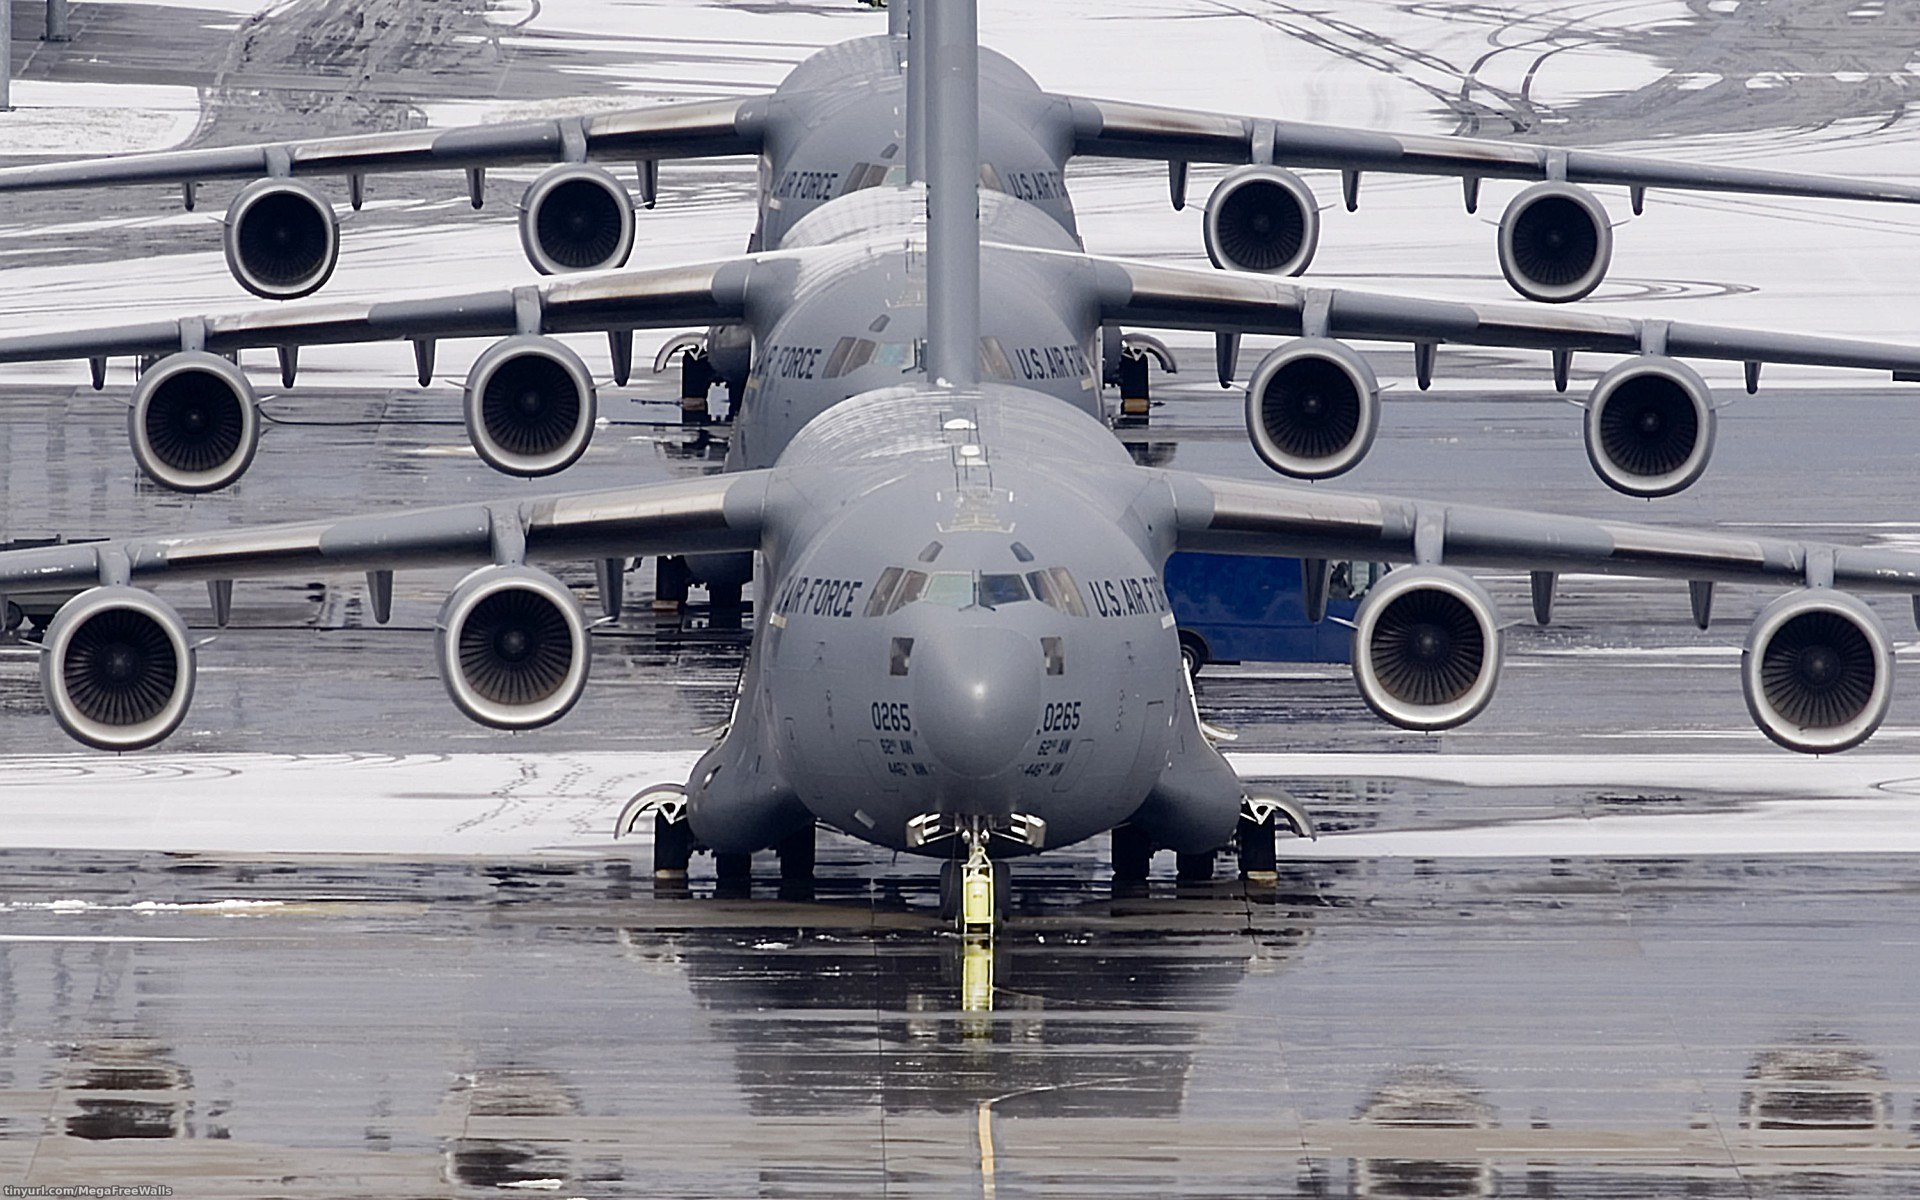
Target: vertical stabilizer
<point x="916" y="91"/>
<point x="953" y="191"/>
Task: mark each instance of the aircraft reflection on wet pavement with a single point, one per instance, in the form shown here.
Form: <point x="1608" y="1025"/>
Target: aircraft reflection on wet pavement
<point x="1177" y="1043"/>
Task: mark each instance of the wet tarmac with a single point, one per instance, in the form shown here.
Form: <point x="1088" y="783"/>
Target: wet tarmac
<point x="1387" y="1028"/>
<point x="1704" y="1020"/>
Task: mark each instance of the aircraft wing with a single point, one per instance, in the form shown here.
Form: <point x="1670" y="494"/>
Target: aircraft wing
<point x="1119" y="129"/>
<point x="714" y="512"/>
<point x="705" y="128"/>
<point x="1136" y="293"/>
<point x="1232" y="516"/>
<point x="610" y="300"/>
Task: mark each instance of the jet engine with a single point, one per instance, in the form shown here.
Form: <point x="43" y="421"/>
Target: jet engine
<point x="282" y="239"/>
<point x="193" y="424"/>
<point x="1817" y="671"/>
<point x="1555" y="243"/>
<point x="1262" y="219"/>
<point x="1426" y="648"/>
<point x="576" y="217"/>
<point x="1313" y="406"/>
<point x="511" y="644"/>
<point x="117" y="668"/>
<point x="530" y="406"/>
<point x="1650" y="425"/>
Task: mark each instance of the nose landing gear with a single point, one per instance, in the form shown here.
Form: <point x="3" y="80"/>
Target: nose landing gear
<point x="973" y="888"/>
<point x="973" y="893"/>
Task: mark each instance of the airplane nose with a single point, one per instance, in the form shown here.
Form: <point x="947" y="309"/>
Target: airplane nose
<point x="976" y="697"/>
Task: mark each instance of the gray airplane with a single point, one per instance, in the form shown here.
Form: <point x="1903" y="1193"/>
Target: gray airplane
<point x="840" y="311"/>
<point x="846" y="120"/>
<point x="963" y="649"/>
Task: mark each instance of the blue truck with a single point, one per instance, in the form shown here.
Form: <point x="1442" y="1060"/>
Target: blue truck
<point x="1240" y="608"/>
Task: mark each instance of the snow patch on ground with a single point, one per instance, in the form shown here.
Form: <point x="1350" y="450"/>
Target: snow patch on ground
<point x="503" y="804"/>
<point x="60" y="118"/>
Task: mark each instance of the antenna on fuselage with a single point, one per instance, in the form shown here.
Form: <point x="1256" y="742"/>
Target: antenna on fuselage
<point x="953" y="191"/>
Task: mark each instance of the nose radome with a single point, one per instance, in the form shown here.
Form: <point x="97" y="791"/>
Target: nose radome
<point x="976" y="696"/>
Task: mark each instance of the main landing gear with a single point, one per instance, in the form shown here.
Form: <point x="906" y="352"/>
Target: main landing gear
<point x="1260" y="818"/>
<point x="673" y="848"/>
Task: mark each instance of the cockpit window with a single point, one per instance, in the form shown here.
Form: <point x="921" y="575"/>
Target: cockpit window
<point x="912" y="585"/>
<point x="995" y="590"/>
<point x="849" y="355"/>
<point x="865" y="175"/>
<point x="993" y="359"/>
<point x="883" y="591"/>
<point x="896" y="588"/>
<point x="1066" y="592"/>
<point x="950" y="589"/>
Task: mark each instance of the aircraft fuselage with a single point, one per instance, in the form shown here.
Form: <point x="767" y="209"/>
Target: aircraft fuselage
<point x="974" y="625"/>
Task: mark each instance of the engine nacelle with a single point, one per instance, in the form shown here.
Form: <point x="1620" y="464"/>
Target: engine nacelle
<point x="1555" y="243"/>
<point x="282" y="239"/>
<point x="1817" y="671"/>
<point x="1426" y="648"/>
<point x="117" y="668"/>
<point x="530" y="406"/>
<point x="193" y="425"/>
<point x="1313" y="407"/>
<point x="511" y="645"/>
<point x="576" y="217"/>
<point x="1262" y="219"/>
<point x="1650" y="426"/>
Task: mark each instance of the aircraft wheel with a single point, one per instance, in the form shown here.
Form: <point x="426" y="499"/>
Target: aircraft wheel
<point x="672" y="847"/>
<point x="796" y="866"/>
<point x="1257" y="855"/>
<point x="950" y="890"/>
<point x="733" y="874"/>
<point x="1132" y="854"/>
<point x="1195" y="868"/>
<point x="670" y="580"/>
<point x="1193" y="652"/>
<point x="796" y="856"/>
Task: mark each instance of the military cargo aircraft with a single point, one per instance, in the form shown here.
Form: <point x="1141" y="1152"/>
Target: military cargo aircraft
<point x="964" y="649"/>
<point x="844" y="121"/>
<point x="821" y="316"/>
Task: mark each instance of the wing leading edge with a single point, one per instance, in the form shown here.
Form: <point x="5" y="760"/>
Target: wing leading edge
<point x="713" y="513"/>
<point x="702" y="129"/>
<point x="1121" y="129"/>
<point x="612" y="300"/>
<point x="1184" y="298"/>
<point x="1230" y="516"/>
